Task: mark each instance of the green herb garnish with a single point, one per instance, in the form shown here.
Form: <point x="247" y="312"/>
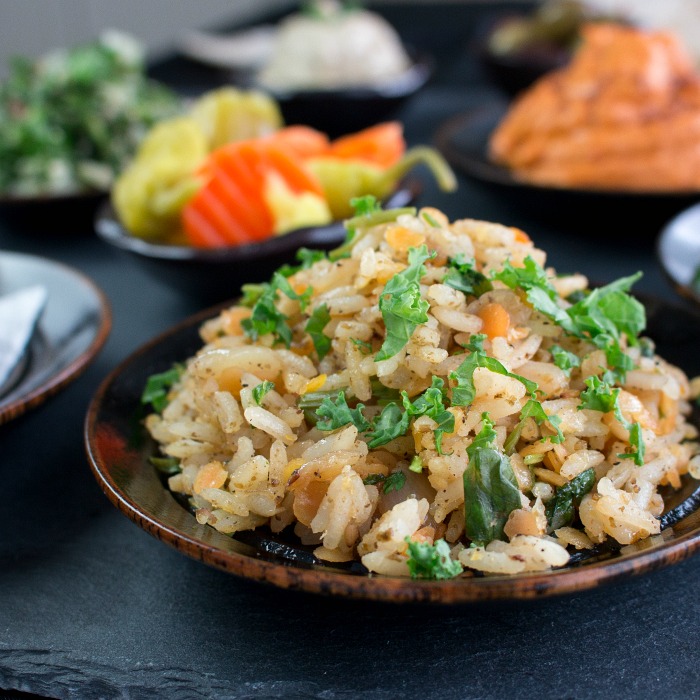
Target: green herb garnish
<point x="401" y="304"/>
<point x="158" y="386"/>
<point x="491" y="490"/>
<point x="394" y="482"/>
<point x="561" y="509"/>
<point x="166" y="465"/>
<point x="334" y="413"/>
<point x="464" y="392"/>
<point x="462" y="275"/>
<point x="533" y="409"/>
<point x="431" y="561"/>
<point x="266" y="317"/>
<point x="261" y="390"/>
<point x="318" y="320"/>
<point x="564" y="359"/>
<point x="600" y="396"/>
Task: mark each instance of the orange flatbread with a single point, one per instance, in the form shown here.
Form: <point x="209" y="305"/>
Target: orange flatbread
<point x="624" y="114"/>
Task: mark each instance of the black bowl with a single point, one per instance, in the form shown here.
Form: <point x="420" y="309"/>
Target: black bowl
<point x="344" y="110"/>
<point x="212" y="275"/>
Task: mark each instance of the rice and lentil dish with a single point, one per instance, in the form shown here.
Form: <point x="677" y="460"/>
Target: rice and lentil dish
<point x="428" y="398"/>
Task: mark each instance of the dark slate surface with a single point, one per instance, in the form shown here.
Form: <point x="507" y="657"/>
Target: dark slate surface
<point x="92" y="607"/>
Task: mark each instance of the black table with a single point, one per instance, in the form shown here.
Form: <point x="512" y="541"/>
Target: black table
<point x="92" y="607"/>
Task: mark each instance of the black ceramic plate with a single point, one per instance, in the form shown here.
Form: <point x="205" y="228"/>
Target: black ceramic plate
<point x="118" y="451"/>
<point x="73" y="327"/>
<point x="678" y="249"/>
<point x="628" y="215"/>
<point x="215" y="274"/>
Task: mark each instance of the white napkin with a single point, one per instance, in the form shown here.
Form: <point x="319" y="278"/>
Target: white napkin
<point x="19" y="315"/>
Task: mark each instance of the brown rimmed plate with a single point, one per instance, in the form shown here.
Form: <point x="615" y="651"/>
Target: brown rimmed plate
<point x="628" y="215"/>
<point x="119" y="450"/>
<point x="72" y="329"/>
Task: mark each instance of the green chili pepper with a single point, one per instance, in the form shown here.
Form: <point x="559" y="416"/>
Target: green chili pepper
<point x="344" y="179"/>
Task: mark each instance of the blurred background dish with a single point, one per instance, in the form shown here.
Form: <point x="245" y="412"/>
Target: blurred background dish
<point x="678" y="250"/>
<point x="69" y="122"/>
<point x="628" y="215"/>
<point x="518" y="48"/>
<point x="215" y="274"/>
<point x="333" y="66"/>
<point x="72" y="329"/>
<point x="340" y="110"/>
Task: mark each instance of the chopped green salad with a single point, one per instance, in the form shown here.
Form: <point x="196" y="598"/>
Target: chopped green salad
<point x="70" y="120"/>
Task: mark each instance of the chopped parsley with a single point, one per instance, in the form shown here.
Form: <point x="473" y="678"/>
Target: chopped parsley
<point x="561" y="509"/>
<point x="600" y="396"/>
<point x="401" y="304"/>
<point x="533" y="409"/>
<point x="318" y="320"/>
<point x="306" y="258"/>
<point x="334" y="413"/>
<point x="394" y="482"/>
<point x="166" y="465"/>
<point x="266" y="317"/>
<point x="158" y="387"/>
<point x="463" y="392"/>
<point x="564" y="359"/>
<point x="368" y="213"/>
<point x="261" y="390"/>
<point x="603" y="316"/>
<point x="491" y="490"/>
<point x="394" y="420"/>
<point x="462" y="275"/>
<point x="431" y="561"/>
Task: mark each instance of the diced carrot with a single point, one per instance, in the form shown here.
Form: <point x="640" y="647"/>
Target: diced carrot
<point x="382" y="145"/>
<point x="401" y="238"/>
<point x="231" y="319"/>
<point x="210" y="476"/>
<point x="307" y="500"/>
<point x="496" y="320"/>
<point x="303" y="141"/>
<point x="424" y="534"/>
<point x="521" y="236"/>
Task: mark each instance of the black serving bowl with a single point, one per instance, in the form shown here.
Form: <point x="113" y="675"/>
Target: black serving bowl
<point x="212" y="275"/>
<point x="344" y="110"/>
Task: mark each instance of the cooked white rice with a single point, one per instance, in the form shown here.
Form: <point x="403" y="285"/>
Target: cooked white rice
<point x="250" y="461"/>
